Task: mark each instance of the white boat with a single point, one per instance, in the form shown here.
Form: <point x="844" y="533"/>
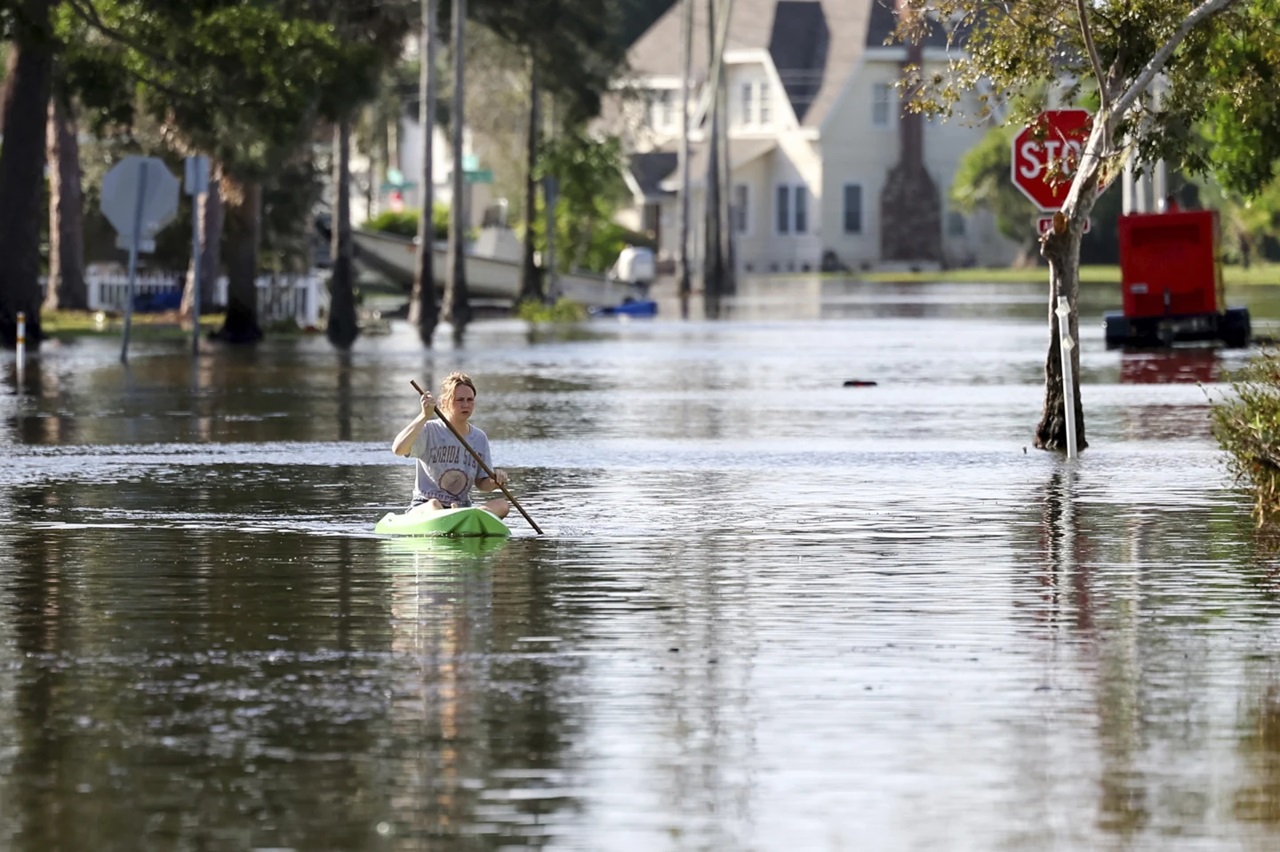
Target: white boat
<point x="493" y="268"/>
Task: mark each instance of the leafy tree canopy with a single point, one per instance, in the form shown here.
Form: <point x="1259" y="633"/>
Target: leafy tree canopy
<point x="244" y="82"/>
<point x="1223" y="76"/>
<point x="577" y="45"/>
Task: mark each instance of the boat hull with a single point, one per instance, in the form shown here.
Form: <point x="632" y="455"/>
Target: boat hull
<point x="488" y="278"/>
<point x="466" y="522"/>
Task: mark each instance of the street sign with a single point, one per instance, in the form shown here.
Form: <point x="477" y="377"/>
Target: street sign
<point x="138" y="193"/>
<point x="1045" y="155"/>
<point x="139" y="197"/>
<point x="1044" y="224"/>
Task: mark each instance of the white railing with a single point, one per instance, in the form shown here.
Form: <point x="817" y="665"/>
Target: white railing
<point x="299" y="297"/>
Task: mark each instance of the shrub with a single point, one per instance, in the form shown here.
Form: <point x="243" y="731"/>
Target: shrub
<point x="563" y="311"/>
<point x="1247" y="426"/>
<point x="404" y="223"/>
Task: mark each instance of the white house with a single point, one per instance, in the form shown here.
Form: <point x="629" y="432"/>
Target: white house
<point x="826" y="168"/>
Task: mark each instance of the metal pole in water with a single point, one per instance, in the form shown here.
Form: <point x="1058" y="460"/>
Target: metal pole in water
<point x="195" y="287"/>
<point x="21" y="348"/>
<point x="197" y="177"/>
<point x="1068" y="380"/>
<point x="133" y="260"/>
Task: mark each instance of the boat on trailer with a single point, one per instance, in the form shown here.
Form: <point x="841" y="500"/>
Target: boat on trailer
<point x="463" y="522"/>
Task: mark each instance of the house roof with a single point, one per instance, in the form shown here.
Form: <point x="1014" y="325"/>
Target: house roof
<point x="741" y="152"/>
<point x="814" y="45"/>
<point x="651" y="168"/>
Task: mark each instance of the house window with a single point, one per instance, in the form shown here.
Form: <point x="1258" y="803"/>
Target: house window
<point x="662" y="109"/>
<point x="852" y="208"/>
<point x="881" y="98"/>
<point x="755" y="107"/>
<point x="793" y="209"/>
<point x="955" y="223"/>
<point x="738" y="211"/>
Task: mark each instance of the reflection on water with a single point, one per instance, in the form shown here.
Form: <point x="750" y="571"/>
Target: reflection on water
<point x="770" y="611"/>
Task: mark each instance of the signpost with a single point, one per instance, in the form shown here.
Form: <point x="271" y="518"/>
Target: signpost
<point x="1045" y="155"/>
<point x="139" y="197"/>
<point x="197" y="186"/>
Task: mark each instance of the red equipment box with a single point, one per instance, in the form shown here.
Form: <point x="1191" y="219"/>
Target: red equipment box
<point x="1168" y="264"/>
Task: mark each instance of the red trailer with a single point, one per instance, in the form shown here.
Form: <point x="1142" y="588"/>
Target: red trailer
<point x="1171" y="283"/>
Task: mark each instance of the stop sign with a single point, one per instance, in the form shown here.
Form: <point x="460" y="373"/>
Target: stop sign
<point x="1045" y="154"/>
<point x="139" y="191"/>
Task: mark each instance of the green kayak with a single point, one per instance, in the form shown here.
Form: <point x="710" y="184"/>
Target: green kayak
<point x="466" y="521"/>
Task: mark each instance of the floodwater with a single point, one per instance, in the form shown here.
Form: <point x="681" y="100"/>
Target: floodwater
<point x="769" y="612"/>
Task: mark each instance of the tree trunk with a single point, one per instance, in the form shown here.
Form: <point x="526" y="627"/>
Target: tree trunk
<point x="713" y="255"/>
<point x="66" y="289"/>
<point x="343" y="327"/>
<point x="209" y="215"/>
<point x="728" y="280"/>
<point x="457" y="302"/>
<point x="684" y="285"/>
<point x="1063" y="253"/>
<point x="530" y="280"/>
<point x="424" y="311"/>
<point x="244" y="229"/>
<point x="22" y="121"/>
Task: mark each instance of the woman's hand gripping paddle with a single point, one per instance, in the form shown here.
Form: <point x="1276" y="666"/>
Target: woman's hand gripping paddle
<point x="479" y="461"/>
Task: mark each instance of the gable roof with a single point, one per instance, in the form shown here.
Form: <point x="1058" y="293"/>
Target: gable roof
<point x="814" y="45"/>
<point x="650" y="169"/>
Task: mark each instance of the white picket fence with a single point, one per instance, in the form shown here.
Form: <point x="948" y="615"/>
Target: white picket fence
<point x="302" y="298"/>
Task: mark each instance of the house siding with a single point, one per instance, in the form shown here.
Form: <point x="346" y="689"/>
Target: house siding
<point x="832" y="144"/>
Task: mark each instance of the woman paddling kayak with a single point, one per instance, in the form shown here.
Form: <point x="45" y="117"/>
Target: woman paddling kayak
<point x="445" y="470"/>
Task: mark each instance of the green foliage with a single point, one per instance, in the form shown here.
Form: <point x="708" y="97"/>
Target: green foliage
<point x="540" y="313"/>
<point x="243" y="82"/>
<point x="591" y="190"/>
<point x="1220" y="108"/>
<point x="577" y="46"/>
<point x="1247" y="426"/>
<point x="982" y="181"/>
<point x="404" y="223"/>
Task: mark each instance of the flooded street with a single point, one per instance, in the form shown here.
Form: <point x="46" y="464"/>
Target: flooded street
<point x="770" y="612"/>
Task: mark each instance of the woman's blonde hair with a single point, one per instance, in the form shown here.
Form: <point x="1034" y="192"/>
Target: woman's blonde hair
<point x="450" y="386"/>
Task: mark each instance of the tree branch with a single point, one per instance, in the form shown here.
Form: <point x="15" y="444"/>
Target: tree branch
<point x="1205" y="10"/>
<point x="89" y="15"/>
<point x="1103" y="93"/>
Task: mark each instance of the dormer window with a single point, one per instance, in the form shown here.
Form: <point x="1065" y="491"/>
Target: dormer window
<point x="662" y="110"/>
<point x="756" y="107"/>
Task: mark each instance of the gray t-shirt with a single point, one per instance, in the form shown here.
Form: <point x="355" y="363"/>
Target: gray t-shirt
<point x="445" y="470"/>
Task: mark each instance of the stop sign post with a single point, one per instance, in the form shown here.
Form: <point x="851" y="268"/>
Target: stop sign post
<point x="1045" y="155"/>
<point x="139" y="197"/>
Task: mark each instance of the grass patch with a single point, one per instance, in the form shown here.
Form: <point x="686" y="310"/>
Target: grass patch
<point x="1100" y="274"/>
<point x="540" y="313"/>
<point x="1259" y="274"/>
<point x="150" y="326"/>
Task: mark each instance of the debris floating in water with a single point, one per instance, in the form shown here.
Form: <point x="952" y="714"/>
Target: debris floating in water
<point x="859" y="383"/>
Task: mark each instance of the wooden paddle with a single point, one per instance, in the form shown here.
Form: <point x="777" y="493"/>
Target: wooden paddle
<point x="479" y="460"/>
